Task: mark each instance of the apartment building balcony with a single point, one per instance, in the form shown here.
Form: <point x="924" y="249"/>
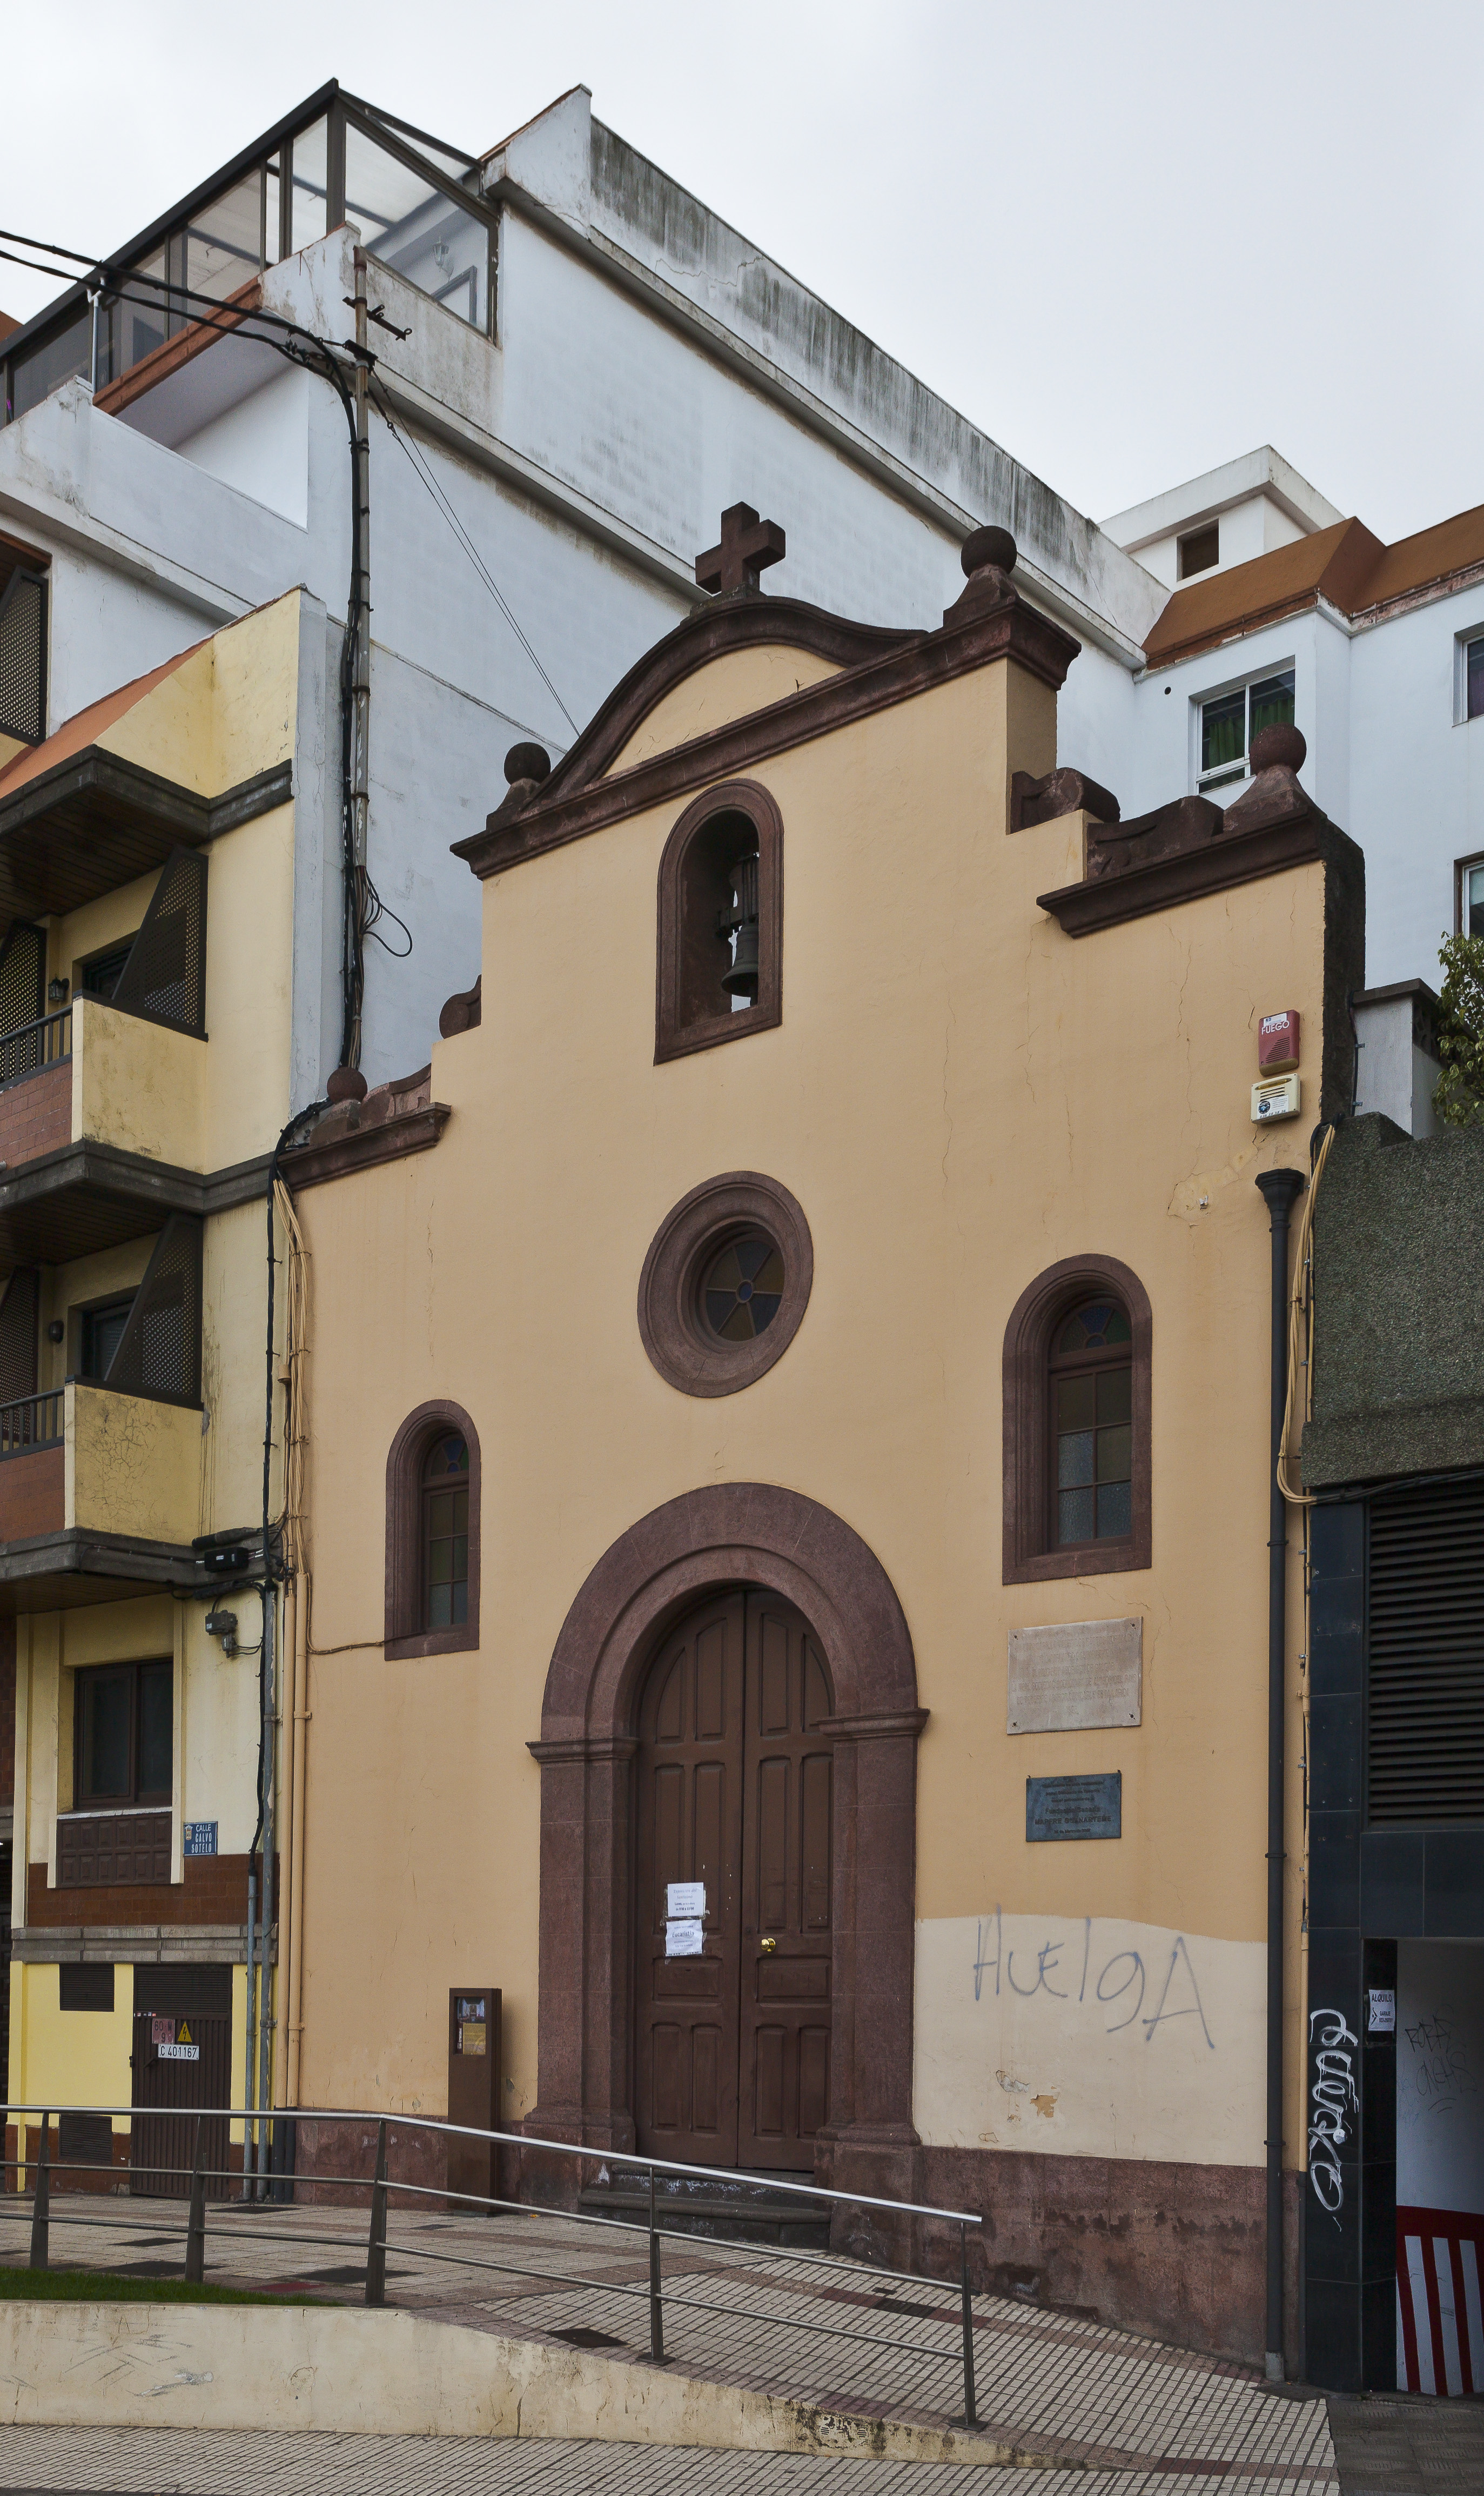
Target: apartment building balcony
<point x="102" y="1122"/>
<point x="99" y="1496"/>
<point x="103" y="1096"/>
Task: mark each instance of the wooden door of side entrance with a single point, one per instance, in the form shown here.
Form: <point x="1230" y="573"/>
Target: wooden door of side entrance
<point x="732" y="2045"/>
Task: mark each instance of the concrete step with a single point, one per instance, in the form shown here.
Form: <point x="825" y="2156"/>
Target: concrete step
<point x="747" y="2212"/>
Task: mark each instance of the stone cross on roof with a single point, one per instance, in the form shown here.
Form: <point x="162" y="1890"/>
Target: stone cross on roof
<point x="747" y="545"/>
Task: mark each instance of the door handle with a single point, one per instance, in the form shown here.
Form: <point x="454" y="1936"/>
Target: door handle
<point x="767" y="1942"/>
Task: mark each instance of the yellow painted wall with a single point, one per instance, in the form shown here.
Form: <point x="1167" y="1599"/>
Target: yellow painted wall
<point x="226" y="712"/>
<point x="80" y="2058"/>
<point x="959" y="1095"/>
<point x="69" y="2058"/>
<point x="136" y="1467"/>
<point x="66" y="1290"/>
<point x="138" y="1086"/>
<point x="725" y="690"/>
<point x="133" y="1465"/>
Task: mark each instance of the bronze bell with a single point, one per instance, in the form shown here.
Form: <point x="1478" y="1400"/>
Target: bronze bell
<point x="739" y="926"/>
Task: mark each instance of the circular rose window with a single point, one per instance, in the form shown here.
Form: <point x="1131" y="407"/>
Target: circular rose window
<point x="726" y="1284"/>
<point x="743" y="1289"/>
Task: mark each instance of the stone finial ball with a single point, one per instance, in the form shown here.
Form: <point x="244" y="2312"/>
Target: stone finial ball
<point x="346" y="1084"/>
<point x="1281" y="744"/>
<point x="527" y="761"/>
<point x="984" y="547"/>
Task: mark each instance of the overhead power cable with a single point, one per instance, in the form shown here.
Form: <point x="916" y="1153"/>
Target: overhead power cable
<point x="426" y="476"/>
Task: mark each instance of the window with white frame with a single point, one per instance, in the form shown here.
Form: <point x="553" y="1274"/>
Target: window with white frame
<point x="1470" y="896"/>
<point x="1473" y="677"/>
<point x="1229" y="722"/>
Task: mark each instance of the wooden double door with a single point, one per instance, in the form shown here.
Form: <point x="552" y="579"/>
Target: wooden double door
<point x="732" y="2045"/>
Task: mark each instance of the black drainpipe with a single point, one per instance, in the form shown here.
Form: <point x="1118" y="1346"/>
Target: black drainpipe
<point x="1280" y="1188"/>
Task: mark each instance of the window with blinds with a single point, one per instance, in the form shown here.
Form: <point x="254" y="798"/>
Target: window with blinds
<point x="1425" y="1647"/>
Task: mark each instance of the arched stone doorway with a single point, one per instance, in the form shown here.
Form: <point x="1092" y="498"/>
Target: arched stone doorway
<point x="731" y="1976"/>
<point x="728" y="1536"/>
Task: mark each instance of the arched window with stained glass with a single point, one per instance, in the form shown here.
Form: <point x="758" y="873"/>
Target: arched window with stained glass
<point x="446" y="1531"/>
<point x="1078" y="1423"/>
<point x="433" y="1534"/>
<point x="1090" y="1437"/>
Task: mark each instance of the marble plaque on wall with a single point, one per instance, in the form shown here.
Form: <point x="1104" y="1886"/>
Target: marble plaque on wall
<point x="1073" y="1675"/>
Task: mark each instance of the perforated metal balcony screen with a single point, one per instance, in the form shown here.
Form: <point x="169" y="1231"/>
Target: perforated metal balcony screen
<point x="1424" y="1690"/>
<point x="165" y="978"/>
<point x="159" y="1352"/>
<point x="18" y="1335"/>
<point x="23" y="658"/>
<point x="23" y="982"/>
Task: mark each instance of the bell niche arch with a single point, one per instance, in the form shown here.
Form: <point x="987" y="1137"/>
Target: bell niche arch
<point x="726" y="1545"/>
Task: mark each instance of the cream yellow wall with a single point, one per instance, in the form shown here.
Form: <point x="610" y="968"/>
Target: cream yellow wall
<point x="156" y="1471"/>
<point x="215" y="1729"/>
<point x="133" y="1465"/>
<point x="69" y="2058"/>
<point x="226" y="712"/>
<point x="959" y="1095"/>
<point x="725" y="690"/>
<point x="61" y="2058"/>
<point x="234" y="1302"/>
<point x="66" y="1290"/>
<point x="138" y="1086"/>
<point x="98" y="926"/>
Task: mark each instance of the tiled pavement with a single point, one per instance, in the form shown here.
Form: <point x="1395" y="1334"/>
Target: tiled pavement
<point x="1118" y="2412"/>
<point x="1409" y="2447"/>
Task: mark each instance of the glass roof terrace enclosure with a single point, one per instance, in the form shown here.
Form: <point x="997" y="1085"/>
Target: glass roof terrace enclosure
<point x="415" y="200"/>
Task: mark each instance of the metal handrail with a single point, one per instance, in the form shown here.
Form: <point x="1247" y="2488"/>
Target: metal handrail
<point x="380" y="2185"/>
<point x="33" y="1045"/>
<point x="33" y="1422"/>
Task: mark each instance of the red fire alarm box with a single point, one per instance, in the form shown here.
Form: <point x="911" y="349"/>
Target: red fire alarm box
<point x="1278" y="1042"/>
<point x="474" y="2087"/>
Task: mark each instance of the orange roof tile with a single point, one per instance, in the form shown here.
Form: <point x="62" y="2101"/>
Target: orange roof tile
<point x="1345" y="564"/>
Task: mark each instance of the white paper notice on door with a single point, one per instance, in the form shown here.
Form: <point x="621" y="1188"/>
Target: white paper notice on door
<point x="685" y="1898"/>
<point x="685" y="1937"/>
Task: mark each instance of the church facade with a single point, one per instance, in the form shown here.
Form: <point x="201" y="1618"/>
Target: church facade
<point x="786" y="1460"/>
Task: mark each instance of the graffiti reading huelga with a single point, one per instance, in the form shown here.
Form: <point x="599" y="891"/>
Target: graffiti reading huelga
<point x="1335" y="2104"/>
<point x="1070" y="1971"/>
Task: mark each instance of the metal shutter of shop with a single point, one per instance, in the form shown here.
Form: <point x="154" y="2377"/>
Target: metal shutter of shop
<point x="1425" y="1642"/>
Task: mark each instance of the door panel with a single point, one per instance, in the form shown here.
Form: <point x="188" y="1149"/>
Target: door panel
<point x="690" y="1829"/>
<point x="179" y="2065"/>
<point x="786" y="1892"/>
<point x="732" y="2048"/>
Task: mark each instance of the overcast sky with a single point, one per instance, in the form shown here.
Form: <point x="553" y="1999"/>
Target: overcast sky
<point x="1129" y="241"/>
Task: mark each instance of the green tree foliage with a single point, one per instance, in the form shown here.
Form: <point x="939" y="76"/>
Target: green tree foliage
<point x="1459" y="1098"/>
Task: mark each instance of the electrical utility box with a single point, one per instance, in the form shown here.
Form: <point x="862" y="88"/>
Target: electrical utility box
<point x="473" y="2086"/>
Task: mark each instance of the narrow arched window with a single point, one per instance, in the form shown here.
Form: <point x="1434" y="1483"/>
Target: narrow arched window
<point x="446" y="1533"/>
<point x="1077" y="1408"/>
<point x="433" y="1534"/>
<point x="1091" y="1437"/>
<point x="719" y="973"/>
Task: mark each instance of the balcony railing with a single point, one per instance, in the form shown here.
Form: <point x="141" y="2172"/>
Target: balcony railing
<point x="32" y="1421"/>
<point x="36" y="1045"/>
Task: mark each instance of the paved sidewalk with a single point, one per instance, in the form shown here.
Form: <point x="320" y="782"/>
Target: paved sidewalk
<point x="44" y="2461"/>
<point x="1408" y="2446"/>
<point x="1122" y="2413"/>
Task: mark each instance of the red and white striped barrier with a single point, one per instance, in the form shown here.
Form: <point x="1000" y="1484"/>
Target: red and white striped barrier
<point x="1439" y="2300"/>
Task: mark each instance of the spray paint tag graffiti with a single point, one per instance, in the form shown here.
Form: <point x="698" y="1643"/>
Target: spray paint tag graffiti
<point x="1335" y="2107"/>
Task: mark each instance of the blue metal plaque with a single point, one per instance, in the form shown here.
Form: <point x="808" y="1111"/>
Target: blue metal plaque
<point x="1062" y="1807"/>
<point x="201" y="1837"/>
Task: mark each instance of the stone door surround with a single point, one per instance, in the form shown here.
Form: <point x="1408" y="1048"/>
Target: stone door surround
<point x="728" y="1534"/>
